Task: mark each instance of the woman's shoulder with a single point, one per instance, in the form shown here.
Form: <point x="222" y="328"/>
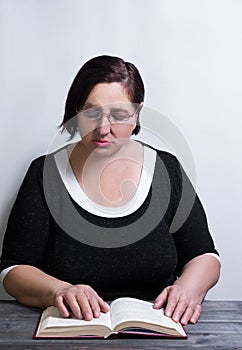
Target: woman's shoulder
<point x="38" y="163"/>
<point x="167" y="157"/>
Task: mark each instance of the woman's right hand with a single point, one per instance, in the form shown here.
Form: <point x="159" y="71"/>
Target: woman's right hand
<point x="81" y="299"/>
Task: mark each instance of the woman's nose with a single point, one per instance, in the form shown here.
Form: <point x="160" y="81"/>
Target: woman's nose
<point x="104" y="125"/>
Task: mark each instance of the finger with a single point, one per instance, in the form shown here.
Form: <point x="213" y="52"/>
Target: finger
<point x="181" y="306"/>
<point x="187" y="315"/>
<point x="196" y="314"/>
<point x="73" y="303"/>
<point x="172" y="301"/>
<point x="161" y="299"/>
<point x="59" y="303"/>
<point x="85" y="307"/>
<point x="103" y="306"/>
<point x="95" y="307"/>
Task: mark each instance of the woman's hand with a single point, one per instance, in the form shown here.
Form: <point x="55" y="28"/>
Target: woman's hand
<point x="81" y="299"/>
<point x="182" y="304"/>
<point x="184" y="298"/>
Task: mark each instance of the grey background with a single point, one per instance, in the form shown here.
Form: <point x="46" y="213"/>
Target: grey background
<point x="189" y="53"/>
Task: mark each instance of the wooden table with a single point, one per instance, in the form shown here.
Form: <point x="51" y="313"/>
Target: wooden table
<point x="220" y="327"/>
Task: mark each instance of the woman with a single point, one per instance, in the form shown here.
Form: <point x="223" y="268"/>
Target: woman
<point x="71" y="239"/>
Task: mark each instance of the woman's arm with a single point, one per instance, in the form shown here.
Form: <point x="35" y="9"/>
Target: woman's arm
<point x="31" y="286"/>
<point x="184" y="298"/>
<point x="197" y="271"/>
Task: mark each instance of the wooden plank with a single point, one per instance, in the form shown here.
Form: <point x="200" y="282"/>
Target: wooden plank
<point x="220" y="327"/>
<point x="202" y="342"/>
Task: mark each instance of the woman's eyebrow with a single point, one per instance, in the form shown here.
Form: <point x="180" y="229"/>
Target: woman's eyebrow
<point x="89" y="105"/>
<point x="119" y="109"/>
<point x="112" y="108"/>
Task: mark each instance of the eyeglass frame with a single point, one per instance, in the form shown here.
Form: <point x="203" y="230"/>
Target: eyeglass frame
<point x="108" y="115"/>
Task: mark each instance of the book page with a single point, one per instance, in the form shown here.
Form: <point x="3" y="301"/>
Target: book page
<point x="52" y="318"/>
<point x="131" y="309"/>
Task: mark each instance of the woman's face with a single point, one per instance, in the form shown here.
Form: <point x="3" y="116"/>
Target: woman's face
<point x="102" y="123"/>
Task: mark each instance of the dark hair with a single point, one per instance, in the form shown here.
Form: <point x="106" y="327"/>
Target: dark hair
<point x="101" y="69"/>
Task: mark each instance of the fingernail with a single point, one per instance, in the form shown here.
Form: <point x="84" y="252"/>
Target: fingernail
<point x="168" y="313"/>
<point x="175" y="318"/>
<point x="96" y="314"/>
<point x="88" y="316"/>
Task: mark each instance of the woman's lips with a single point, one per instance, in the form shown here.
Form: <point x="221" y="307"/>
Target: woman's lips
<point x="102" y="143"/>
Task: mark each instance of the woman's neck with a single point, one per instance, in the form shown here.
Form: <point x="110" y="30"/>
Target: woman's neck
<point x="110" y="181"/>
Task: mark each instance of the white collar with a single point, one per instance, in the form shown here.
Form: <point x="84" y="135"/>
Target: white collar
<point x="79" y="196"/>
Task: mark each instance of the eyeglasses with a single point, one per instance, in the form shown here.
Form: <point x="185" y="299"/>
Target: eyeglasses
<point x="115" y="116"/>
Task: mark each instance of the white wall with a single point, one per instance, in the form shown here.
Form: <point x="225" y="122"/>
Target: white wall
<point x="189" y="53"/>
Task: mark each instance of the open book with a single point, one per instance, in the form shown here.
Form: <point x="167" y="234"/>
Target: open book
<point x="126" y="315"/>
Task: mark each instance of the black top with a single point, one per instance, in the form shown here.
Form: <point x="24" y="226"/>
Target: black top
<point x="49" y="230"/>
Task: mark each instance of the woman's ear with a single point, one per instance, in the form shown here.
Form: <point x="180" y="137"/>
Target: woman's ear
<point x="140" y="106"/>
<point x="138" y="109"/>
<point x="137" y="126"/>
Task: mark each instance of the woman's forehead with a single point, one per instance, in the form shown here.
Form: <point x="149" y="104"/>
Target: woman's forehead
<point x="107" y="93"/>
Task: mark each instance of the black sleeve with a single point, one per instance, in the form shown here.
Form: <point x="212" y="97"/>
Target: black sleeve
<point x="189" y="226"/>
<point x="28" y="224"/>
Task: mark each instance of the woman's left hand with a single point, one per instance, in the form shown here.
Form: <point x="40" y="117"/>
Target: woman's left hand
<point x="182" y="300"/>
<point x="182" y="304"/>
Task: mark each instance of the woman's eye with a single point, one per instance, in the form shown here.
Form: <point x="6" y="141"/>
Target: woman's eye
<point x="92" y="113"/>
<point x="120" y="116"/>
